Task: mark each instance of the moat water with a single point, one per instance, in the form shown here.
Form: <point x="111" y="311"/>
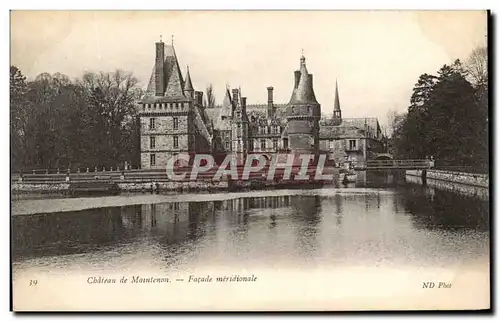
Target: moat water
<point x="324" y="248"/>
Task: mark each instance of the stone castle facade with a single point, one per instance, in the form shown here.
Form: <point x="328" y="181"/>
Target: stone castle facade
<point x="174" y="120"/>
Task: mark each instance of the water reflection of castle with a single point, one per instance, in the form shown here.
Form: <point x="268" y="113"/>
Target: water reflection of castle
<point x="171" y="223"/>
<point x="165" y="216"/>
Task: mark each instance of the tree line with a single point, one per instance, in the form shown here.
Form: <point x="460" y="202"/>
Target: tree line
<point x="58" y="123"/>
<point x="447" y="117"/>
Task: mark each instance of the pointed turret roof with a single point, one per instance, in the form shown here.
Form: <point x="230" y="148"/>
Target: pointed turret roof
<point x="223" y="121"/>
<point x="174" y="82"/>
<point x="304" y="93"/>
<point x="336" y="106"/>
<point x="188" y="85"/>
<point x="227" y="106"/>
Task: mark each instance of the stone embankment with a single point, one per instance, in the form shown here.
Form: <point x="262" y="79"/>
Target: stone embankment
<point x="151" y="180"/>
<point x="135" y="186"/>
<point x="459" y="182"/>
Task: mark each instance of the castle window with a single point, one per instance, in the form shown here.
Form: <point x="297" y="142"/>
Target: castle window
<point x="143" y="106"/>
<point x="176" y="141"/>
<point x="176" y="105"/>
<point x="293" y="110"/>
<point x="262" y="144"/>
<point x="332" y="144"/>
<point x="152" y="142"/>
<point x="308" y="109"/>
<point x="176" y="123"/>
<point x="228" y="146"/>
<point x="152" y="159"/>
<point x="352" y="144"/>
<point x="152" y="123"/>
<point x="285" y="142"/>
<point x="275" y="144"/>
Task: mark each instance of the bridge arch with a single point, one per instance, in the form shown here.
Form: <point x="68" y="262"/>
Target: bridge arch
<point x="383" y="156"/>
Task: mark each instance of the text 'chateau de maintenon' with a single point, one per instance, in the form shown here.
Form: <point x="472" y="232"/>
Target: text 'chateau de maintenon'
<point x="174" y="120"/>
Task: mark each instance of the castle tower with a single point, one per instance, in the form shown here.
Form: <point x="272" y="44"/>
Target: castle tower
<point x="170" y="115"/>
<point x="303" y="113"/>
<point x="337" y="113"/>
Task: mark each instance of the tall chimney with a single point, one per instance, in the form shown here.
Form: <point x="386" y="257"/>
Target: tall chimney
<point x="159" y="76"/>
<point x="297" y="79"/>
<point x="199" y="98"/>
<point x="244" y="104"/>
<point x="235" y="97"/>
<point x="270" y="105"/>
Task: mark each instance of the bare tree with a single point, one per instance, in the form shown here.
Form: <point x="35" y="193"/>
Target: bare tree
<point x="112" y="100"/>
<point x="210" y="96"/>
<point x="476" y="66"/>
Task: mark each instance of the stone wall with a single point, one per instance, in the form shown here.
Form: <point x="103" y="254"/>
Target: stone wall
<point x="39" y="187"/>
<point x="188" y="185"/>
<point x="480" y="180"/>
<point x="165" y="124"/>
<point x="463" y="189"/>
<point x="136" y="186"/>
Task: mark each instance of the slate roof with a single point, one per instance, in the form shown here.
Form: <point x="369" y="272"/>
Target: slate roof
<point x="188" y="85"/>
<point x="222" y="116"/>
<point x="174" y="82"/>
<point x="304" y="93"/>
<point x="336" y="132"/>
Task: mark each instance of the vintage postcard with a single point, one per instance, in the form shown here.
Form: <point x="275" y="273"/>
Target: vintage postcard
<point x="249" y="160"/>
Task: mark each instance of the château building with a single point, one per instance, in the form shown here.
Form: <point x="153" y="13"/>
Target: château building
<point x="174" y="120"/>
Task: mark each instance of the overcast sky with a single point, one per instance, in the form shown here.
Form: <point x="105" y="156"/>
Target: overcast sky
<point x="376" y="56"/>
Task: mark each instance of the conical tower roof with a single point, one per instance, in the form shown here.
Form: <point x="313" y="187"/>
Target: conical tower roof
<point x="304" y="93"/>
<point x="188" y="85"/>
